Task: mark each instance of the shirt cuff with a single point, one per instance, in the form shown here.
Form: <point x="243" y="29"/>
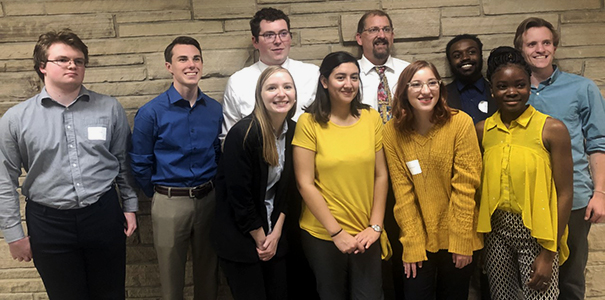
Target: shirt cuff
<point x="14" y="233"/>
<point x="130" y="205"/>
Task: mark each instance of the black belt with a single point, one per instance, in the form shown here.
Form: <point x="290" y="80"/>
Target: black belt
<point x="197" y="192"/>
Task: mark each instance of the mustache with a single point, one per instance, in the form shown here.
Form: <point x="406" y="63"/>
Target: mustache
<point x="381" y="40"/>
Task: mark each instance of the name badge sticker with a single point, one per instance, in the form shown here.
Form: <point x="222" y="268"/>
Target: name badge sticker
<point x="97" y="133"/>
<point x="483" y="106"/>
<point x="414" y="167"/>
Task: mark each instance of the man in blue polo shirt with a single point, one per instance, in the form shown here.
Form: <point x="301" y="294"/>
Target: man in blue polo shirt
<point x="577" y="102"/>
<point x="175" y="151"/>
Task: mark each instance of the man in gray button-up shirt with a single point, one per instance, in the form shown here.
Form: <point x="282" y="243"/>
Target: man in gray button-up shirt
<point x="73" y="144"/>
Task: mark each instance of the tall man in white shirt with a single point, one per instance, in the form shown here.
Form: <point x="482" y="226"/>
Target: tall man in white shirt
<point x="379" y="74"/>
<point x="379" y="70"/>
<point x="272" y="38"/>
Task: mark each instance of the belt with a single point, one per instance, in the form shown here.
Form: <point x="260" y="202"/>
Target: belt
<point x="197" y="192"/>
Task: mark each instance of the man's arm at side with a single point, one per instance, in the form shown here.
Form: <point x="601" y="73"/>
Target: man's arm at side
<point x="142" y="152"/>
<point x="119" y="148"/>
<point x="10" y="170"/>
<point x="592" y="114"/>
<point x="595" y="211"/>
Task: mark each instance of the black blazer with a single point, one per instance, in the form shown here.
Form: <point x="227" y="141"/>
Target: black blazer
<point x="241" y="183"/>
<point x="454" y="101"/>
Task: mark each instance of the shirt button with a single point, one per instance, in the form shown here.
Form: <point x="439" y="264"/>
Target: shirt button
<point x="71" y="146"/>
<point x="74" y="165"/>
<point x="68" y="127"/>
<point x="78" y="184"/>
<point x="538" y="93"/>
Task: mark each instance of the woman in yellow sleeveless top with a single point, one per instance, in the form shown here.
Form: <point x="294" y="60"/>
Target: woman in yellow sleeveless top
<point x="527" y="186"/>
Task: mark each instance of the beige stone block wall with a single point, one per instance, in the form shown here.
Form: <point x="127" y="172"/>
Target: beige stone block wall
<point x="126" y="39"/>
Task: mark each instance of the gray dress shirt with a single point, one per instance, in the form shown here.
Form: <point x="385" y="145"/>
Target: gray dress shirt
<point x="72" y="155"/>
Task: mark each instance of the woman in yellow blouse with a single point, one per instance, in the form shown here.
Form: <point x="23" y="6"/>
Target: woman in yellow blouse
<point x="342" y="176"/>
<point x="527" y="186"/>
<point x="435" y="167"/>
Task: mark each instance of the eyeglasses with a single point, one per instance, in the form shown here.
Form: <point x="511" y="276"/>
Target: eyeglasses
<point x="417" y="86"/>
<point x="376" y="30"/>
<point x="64" y="62"/>
<point x="270" y="36"/>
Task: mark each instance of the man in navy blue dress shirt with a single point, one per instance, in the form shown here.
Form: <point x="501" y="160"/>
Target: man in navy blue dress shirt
<point x="469" y="91"/>
<point x="175" y="151"/>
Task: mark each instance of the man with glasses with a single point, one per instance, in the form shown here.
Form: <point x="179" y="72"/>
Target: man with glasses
<point x="469" y="91"/>
<point x="272" y="38"/>
<point x="175" y="151"/>
<point x="379" y="70"/>
<point x="379" y="74"/>
<point x="73" y="144"/>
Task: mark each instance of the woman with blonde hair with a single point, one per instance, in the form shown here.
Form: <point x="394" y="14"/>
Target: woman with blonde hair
<point x="255" y="179"/>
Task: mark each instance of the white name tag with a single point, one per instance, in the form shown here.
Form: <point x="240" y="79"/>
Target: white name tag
<point x="97" y="133"/>
<point x="414" y="167"/>
<point x="483" y="106"/>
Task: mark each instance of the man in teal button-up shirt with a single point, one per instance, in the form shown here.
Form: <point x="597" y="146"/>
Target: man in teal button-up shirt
<point x="577" y="102"/>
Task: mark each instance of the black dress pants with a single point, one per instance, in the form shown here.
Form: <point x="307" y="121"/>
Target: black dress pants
<point x="80" y="253"/>
<point x="262" y="280"/>
<point x="439" y="279"/>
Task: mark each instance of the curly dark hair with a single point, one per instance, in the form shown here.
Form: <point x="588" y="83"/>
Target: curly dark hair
<point x="504" y="56"/>
<point x="268" y="14"/>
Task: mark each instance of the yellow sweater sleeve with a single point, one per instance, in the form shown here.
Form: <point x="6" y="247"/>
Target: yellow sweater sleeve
<point x="466" y="178"/>
<point x="406" y="211"/>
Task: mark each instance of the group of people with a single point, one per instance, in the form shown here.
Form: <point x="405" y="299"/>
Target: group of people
<point x="292" y="184"/>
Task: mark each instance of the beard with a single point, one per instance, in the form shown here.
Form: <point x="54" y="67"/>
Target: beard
<point x="382" y="54"/>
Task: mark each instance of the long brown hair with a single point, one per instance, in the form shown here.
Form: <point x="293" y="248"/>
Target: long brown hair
<point x="261" y="117"/>
<point x="403" y="112"/>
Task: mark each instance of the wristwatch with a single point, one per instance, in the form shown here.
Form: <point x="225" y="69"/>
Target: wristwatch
<point x="376" y="228"/>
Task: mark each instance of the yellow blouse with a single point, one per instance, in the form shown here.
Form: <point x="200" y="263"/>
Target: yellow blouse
<point x="517" y="177"/>
<point x="344" y="171"/>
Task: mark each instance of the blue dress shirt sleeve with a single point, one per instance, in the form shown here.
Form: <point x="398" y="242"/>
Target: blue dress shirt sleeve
<point x="142" y="155"/>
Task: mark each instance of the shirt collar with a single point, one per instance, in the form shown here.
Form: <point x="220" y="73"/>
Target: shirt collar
<point x="553" y="77"/>
<point x="522" y="120"/>
<point x="283" y="131"/>
<point x="174" y="96"/>
<point x="262" y="66"/>
<point x="479" y="85"/>
<point x="84" y="94"/>
<point x="367" y="66"/>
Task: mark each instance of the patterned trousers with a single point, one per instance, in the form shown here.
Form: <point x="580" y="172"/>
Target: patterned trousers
<point x="510" y="251"/>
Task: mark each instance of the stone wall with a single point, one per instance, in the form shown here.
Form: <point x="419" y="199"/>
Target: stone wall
<point x="126" y="39"/>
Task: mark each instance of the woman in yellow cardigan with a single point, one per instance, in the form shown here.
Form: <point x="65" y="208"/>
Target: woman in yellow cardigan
<point x="527" y="186"/>
<point x="435" y="167"/>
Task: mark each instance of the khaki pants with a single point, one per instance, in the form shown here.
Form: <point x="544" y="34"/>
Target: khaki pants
<point x="179" y="222"/>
